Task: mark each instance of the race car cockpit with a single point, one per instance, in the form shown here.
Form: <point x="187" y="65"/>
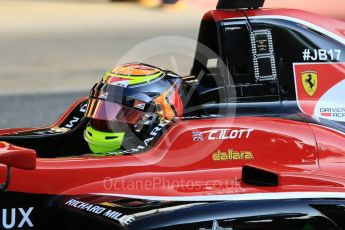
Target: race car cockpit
<point x="126" y="112"/>
<point x="248" y="62"/>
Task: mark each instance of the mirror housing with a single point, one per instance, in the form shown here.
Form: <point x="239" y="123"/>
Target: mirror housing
<point x="17" y="157"/>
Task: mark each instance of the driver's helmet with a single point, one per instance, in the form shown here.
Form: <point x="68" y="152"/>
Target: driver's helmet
<point x="126" y="104"/>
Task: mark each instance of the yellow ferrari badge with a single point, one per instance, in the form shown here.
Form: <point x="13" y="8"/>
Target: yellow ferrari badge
<point x="309" y="80"/>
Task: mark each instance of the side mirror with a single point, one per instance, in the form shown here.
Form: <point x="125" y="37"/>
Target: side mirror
<point x="16" y="157"/>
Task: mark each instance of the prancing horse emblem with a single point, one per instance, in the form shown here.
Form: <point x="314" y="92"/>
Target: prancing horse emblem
<point x="309" y="80"/>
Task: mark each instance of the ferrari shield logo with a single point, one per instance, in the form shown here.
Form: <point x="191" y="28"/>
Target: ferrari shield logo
<point x="309" y="80"/>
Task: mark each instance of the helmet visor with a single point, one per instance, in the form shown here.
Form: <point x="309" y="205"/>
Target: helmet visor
<point x="111" y="111"/>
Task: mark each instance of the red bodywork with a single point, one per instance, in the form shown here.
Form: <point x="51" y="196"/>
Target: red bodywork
<point x="306" y="157"/>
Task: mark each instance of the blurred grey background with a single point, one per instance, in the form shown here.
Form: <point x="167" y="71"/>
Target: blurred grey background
<point x="53" y="51"/>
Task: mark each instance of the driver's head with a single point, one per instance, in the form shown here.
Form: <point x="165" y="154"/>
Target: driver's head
<point x="127" y="101"/>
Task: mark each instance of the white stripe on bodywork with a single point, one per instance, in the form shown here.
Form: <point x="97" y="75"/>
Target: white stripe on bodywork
<point x="236" y="197"/>
<point x="167" y="209"/>
<point x="325" y="127"/>
<point x="300" y="21"/>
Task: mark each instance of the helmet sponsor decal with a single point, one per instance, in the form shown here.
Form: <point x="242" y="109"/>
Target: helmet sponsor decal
<point x="139" y="105"/>
<point x="119" y="82"/>
<point x="103" y="95"/>
<point x="320" y="89"/>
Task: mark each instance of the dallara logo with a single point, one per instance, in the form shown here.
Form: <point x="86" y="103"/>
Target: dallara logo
<point x="309" y="80"/>
<point x="232" y="155"/>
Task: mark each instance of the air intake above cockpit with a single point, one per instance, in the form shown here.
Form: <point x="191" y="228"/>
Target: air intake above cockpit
<point x="239" y="4"/>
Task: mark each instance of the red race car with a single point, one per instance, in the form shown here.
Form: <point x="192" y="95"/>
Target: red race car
<point x="253" y="138"/>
